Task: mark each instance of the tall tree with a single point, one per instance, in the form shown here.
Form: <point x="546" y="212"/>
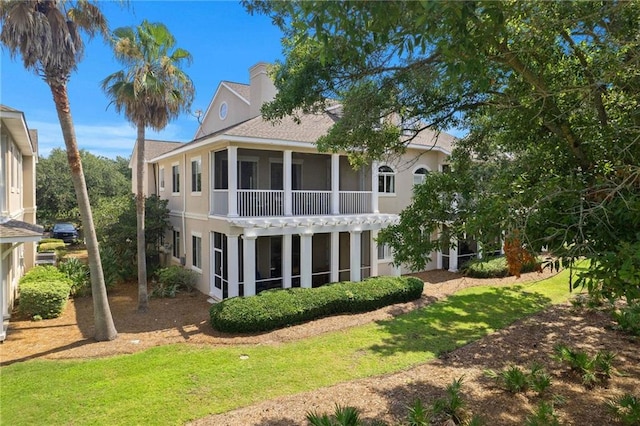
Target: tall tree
<point x="151" y="91"/>
<point x="549" y="93"/>
<point x="46" y="34"/>
<point x="55" y="196"/>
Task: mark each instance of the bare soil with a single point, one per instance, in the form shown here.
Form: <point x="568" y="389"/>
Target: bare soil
<point x="184" y="320"/>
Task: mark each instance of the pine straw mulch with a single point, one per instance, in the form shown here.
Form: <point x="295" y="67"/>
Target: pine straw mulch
<point x="185" y="320"/>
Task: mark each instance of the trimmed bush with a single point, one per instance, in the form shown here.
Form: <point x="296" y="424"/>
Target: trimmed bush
<point x="51" y="245"/>
<point x="492" y="267"/>
<point x="283" y="307"/>
<point x="44" y="291"/>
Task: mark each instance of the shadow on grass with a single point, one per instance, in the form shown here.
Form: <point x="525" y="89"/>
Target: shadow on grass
<point x="458" y="320"/>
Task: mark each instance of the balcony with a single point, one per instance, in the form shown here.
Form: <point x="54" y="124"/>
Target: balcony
<point x="270" y="203"/>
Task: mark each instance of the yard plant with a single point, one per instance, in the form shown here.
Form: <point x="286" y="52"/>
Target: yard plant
<point x="279" y="308"/>
<point x="44" y="291"/>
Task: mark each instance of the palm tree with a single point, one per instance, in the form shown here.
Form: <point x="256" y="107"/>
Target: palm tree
<point x="151" y="91"/>
<point x="46" y="34"/>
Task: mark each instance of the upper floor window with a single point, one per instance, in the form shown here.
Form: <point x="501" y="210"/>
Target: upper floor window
<point x="196" y="175"/>
<point x="386" y="180"/>
<point x="419" y="175"/>
<point x="161" y="178"/>
<point x="175" y="174"/>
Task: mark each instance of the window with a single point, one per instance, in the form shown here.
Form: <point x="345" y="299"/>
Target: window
<point x="176" y="244"/>
<point x="446" y="168"/>
<point x="419" y="175"/>
<point x="196" y="175"/>
<point x="175" y="174"/>
<point x="161" y="177"/>
<point x="386" y="180"/>
<point x="384" y="252"/>
<point x="196" y="251"/>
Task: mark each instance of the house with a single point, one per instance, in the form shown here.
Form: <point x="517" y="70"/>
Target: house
<point x="18" y="230"/>
<point x="255" y="206"/>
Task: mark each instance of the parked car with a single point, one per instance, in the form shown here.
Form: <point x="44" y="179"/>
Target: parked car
<point x="66" y="232"/>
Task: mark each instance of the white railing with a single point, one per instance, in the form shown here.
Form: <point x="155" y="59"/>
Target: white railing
<point x="311" y="202"/>
<point x="260" y="202"/>
<point x="355" y="202"/>
<point x="220" y="202"/>
<point x="265" y="202"/>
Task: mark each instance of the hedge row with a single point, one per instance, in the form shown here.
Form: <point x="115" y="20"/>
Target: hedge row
<point x="50" y="245"/>
<point x="274" y="309"/>
<point x="44" y="291"/>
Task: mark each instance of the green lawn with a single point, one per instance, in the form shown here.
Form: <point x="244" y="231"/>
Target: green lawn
<point x="176" y="383"/>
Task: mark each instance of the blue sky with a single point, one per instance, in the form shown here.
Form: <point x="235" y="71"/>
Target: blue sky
<point x="222" y="37"/>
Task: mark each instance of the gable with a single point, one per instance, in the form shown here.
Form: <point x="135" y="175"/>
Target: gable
<point x="229" y="106"/>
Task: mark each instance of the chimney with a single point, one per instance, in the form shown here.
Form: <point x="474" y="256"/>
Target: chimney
<point x="261" y="88"/>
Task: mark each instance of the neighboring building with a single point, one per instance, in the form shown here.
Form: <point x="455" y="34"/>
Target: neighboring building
<point x="254" y="205"/>
<point x="18" y="230"/>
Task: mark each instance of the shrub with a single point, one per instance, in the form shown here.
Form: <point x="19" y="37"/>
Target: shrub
<point x="544" y="415"/>
<point x="344" y="416"/>
<point x="493" y="267"/>
<point x="44" y="292"/>
<point x="515" y="380"/>
<point x="110" y="266"/>
<point x="78" y="273"/>
<point x="628" y="319"/>
<point x="51" y="245"/>
<point x="625" y="409"/>
<point x="592" y="369"/>
<point x="173" y="279"/>
<point x="283" y="307"/>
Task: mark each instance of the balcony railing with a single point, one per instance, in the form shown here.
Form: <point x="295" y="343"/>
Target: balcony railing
<point x="265" y="203"/>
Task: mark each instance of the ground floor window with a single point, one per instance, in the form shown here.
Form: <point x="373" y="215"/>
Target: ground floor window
<point x="176" y="243"/>
<point x="196" y="251"/>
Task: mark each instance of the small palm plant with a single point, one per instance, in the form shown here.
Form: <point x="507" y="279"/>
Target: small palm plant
<point x="592" y="369"/>
<point x="451" y="407"/>
<point x="625" y="409"/>
<point x="344" y="416"/>
<point x="544" y="415"/>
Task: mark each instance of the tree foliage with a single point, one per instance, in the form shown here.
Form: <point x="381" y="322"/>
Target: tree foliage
<point x="548" y="91"/>
<point x="116" y="225"/>
<point x="55" y="196"/>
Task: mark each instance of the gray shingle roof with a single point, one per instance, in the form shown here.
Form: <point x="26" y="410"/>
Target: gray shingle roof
<point x="154" y="148"/>
<point x="16" y="229"/>
<point x="240" y="88"/>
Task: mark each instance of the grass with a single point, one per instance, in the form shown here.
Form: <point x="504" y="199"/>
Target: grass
<point x="176" y="383"/>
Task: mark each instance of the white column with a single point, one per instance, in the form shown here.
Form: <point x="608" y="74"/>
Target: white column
<point x="439" y="255"/>
<point x="306" y="257"/>
<point x="373" y="253"/>
<point x="479" y="254"/>
<point x="232" y="159"/>
<point x="335" y="183"/>
<point x="355" y="254"/>
<point x="287" y="181"/>
<point x="374" y="187"/>
<point x="249" y="259"/>
<point x="335" y="257"/>
<point x="233" y="275"/>
<point x="453" y="256"/>
<point x="287" y="257"/>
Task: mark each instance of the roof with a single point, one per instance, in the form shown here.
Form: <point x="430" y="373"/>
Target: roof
<point x="308" y="129"/>
<point x="154" y="148"/>
<point x="13" y="231"/>
<point x="13" y="120"/>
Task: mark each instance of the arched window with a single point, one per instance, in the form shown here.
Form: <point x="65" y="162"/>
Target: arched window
<point x="386" y="180"/>
<point x="419" y="175"/>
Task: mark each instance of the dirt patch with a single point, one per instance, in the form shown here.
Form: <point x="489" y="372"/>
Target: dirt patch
<point x="185" y="320"/>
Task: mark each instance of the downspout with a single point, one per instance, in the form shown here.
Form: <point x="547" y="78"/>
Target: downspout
<point x="184" y="210"/>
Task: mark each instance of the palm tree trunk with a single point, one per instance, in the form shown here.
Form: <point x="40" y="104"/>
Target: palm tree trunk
<point x="104" y="327"/>
<point x="143" y="298"/>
